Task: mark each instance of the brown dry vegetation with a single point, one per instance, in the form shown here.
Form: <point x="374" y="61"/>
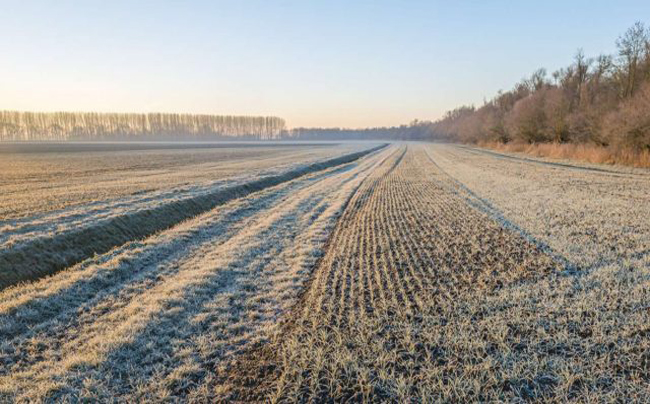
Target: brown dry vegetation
<point x="595" y="109"/>
<point x="582" y="152"/>
<point x="602" y="101"/>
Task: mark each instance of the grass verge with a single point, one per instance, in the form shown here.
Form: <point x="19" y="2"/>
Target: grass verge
<point x="581" y="152"/>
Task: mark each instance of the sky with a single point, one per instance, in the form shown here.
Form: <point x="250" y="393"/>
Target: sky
<point x="314" y="63"/>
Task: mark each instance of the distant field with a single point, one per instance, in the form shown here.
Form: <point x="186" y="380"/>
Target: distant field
<point x="62" y="207"/>
<point x="407" y="273"/>
<point x="41" y="177"/>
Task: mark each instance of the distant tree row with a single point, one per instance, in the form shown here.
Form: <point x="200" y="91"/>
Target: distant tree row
<point x="415" y="131"/>
<point x="603" y="100"/>
<point x="62" y="126"/>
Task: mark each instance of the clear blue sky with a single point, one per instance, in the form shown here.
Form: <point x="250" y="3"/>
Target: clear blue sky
<point x="314" y="63"/>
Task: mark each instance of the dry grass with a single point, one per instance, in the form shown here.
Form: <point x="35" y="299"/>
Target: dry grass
<point x="581" y="152"/>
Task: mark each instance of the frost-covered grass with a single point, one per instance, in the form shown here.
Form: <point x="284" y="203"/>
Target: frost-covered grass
<point x="42" y="182"/>
<point x="41" y="245"/>
<point x="591" y="215"/>
<point x="150" y="320"/>
<point x="419" y="273"/>
<point x="429" y="292"/>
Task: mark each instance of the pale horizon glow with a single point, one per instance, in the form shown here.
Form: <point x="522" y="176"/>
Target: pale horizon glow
<point x="313" y="63"/>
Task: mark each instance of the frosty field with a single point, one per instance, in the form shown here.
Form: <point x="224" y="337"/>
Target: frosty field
<point x="408" y="272"/>
<point x="60" y="207"/>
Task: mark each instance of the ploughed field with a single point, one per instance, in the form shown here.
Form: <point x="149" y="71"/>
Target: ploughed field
<point x="406" y="273"/>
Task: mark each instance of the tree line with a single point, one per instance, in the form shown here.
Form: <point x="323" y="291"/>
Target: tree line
<point x="416" y="130"/>
<point x="603" y="101"/>
<point x="85" y="126"/>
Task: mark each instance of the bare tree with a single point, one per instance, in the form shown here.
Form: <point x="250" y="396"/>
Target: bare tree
<point x="631" y="48"/>
<point x="603" y="101"/>
<point x="58" y="126"/>
<point x="537" y="80"/>
<point x="582" y="65"/>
